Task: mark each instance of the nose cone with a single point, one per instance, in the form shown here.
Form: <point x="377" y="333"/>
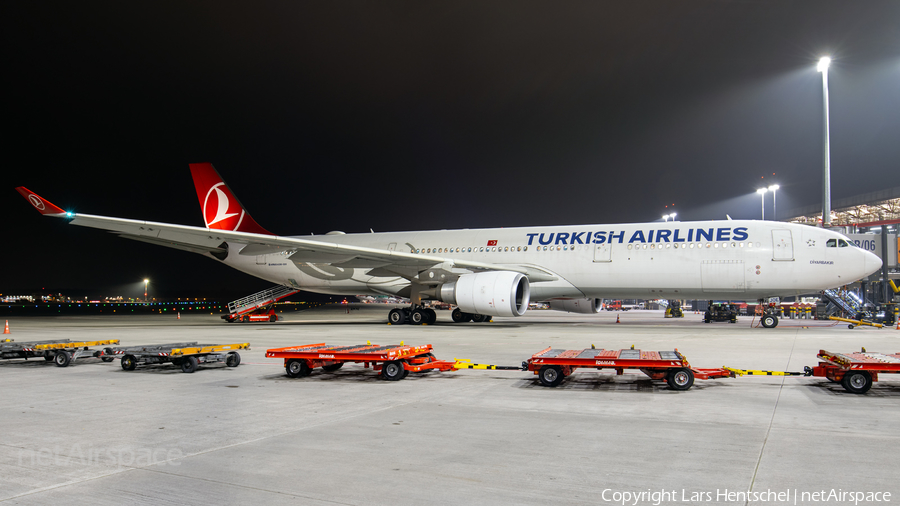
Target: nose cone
<point x="873" y="263"/>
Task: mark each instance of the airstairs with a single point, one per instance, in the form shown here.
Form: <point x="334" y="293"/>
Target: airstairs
<point x="260" y="299"/>
<point x="842" y="300"/>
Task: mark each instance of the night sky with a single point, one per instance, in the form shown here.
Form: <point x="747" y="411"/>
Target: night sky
<point x="415" y="115"/>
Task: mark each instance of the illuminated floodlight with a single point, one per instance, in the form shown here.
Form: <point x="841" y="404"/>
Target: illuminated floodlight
<point x="666" y="217"/>
<point x="824" y="63"/>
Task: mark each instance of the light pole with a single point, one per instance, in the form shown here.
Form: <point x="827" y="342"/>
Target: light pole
<point x="146" y="281"/>
<point x="672" y="216"/>
<point x="666" y="217"/>
<point x="822" y="67"/>
<point x="762" y="193"/>
<point x="774" y="188"/>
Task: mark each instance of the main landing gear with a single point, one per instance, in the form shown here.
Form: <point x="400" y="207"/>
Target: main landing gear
<point x="420" y="315"/>
<point x="412" y="315"/>
<point x="460" y="317"/>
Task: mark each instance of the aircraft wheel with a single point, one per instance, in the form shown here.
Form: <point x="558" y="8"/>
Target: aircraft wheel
<point x="417" y="317"/>
<point x="550" y="375"/>
<point x="62" y="358"/>
<point x="680" y="379"/>
<point x="432" y="316"/>
<point x="393" y="370"/>
<point x="478" y="318"/>
<point x="189" y="364"/>
<point x="769" y="321"/>
<point x="128" y="362"/>
<point x="857" y="382"/>
<point x="397" y="317"/>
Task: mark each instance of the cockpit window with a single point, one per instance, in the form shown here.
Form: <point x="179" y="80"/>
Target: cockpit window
<point x="832" y="243"/>
<point x="843" y="244"/>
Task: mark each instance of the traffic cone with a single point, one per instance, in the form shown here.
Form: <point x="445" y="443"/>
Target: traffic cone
<point x="6" y="330"/>
<point x="617" y="318"/>
<point x="898" y="326"/>
<point x="179" y="316"/>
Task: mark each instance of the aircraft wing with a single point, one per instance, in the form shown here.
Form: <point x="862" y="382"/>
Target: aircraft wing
<point x="200" y="240"/>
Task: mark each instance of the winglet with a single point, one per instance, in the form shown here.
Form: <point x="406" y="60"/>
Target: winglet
<point x="42" y="205"/>
<point x="221" y="209"/>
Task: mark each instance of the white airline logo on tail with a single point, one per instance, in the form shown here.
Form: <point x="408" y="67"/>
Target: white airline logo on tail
<point x="222" y="206"/>
<point x="36" y="202"/>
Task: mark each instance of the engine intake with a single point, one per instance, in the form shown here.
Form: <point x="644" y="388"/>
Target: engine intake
<point x="495" y="293"/>
<point x="583" y="306"/>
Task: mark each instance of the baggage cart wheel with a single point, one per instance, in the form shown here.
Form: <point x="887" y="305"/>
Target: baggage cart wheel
<point x="62" y="358"/>
<point x="550" y="375"/>
<point x="297" y="368"/>
<point x="108" y="355"/>
<point x="245" y="319"/>
<point x="393" y="370"/>
<point x="397" y="316"/>
<point x="272" y="318"/>
<point x="48" y="357"/>
<point x="128" y="362"/>
<point x="233" y="359"/>
<point x="189" y="364"/>
<point x="332" y="367"/>
<point x="857" y="382"/>
<point x="849" y="326"/>
<point x="769" y="321"/>
<point x="680" y="379"/>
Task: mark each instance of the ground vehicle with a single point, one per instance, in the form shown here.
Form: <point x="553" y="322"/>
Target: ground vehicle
<point x="616" y="305"/>
<point x="394" y="361"/>
<point x="553" y="365"/>
<point x="60" y="351"/>
<point x="721" y="312"/>
<point x="261" y="315"/>
<point x="854" y="371"/>
<point x="674" y="309"/>
<point x="186" y="355"/>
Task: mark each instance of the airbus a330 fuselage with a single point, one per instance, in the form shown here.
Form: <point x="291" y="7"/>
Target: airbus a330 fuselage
<point x="496" y="272"/>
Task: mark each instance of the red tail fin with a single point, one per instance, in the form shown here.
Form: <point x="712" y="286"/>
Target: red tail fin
<point x="221" y="209"/>
<point x="42" y="205"/>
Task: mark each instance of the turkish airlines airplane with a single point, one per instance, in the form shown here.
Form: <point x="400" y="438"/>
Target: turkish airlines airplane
<point x="496" y="272"/>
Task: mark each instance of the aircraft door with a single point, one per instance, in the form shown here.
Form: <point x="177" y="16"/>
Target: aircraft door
<point x="782" y="245"/>
<point x="260" y="259"/>
<point x="603" y="252"/>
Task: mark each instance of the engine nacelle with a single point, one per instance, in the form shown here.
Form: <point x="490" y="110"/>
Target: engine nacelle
<point x="584" y="306"/>
<point x="495" y="293"/>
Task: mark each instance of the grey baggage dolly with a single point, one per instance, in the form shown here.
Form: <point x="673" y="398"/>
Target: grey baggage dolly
<point x="60" y="351"/>
<point x="186" y="355"/>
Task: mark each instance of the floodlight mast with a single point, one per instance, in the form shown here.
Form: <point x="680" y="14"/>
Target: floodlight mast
<point x="774" y="188"/>
<point x="822" y="67"/>
<point x="762" y="193"/>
